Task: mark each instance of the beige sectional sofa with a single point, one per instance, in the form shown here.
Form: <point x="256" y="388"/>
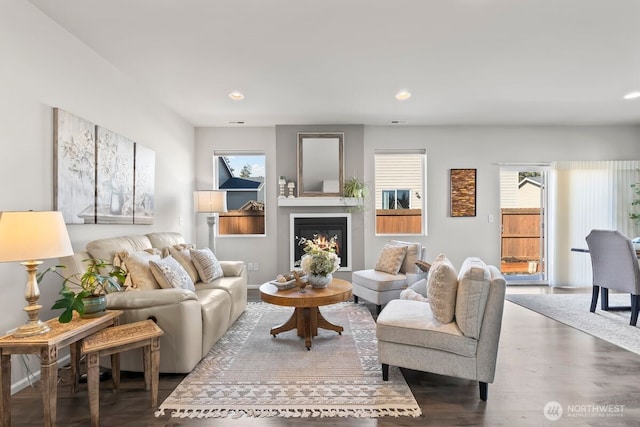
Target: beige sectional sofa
<point x="192" y="321"/>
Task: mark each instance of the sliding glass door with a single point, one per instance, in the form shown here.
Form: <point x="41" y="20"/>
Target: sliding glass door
<point x="523" y="210"/>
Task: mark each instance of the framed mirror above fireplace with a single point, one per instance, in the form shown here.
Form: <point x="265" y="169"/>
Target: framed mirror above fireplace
<point x="320" y="164"/>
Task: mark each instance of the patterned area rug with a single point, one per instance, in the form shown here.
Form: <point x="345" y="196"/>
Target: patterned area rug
<point x="573" y="310"/>
<point x="252" y="374"/>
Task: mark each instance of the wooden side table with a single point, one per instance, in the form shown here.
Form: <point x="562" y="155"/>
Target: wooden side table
<point x="113" y="341"/>
<point x="47" y="346"/>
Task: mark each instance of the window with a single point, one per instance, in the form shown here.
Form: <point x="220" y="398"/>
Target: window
<point x="242" y="176"/>
<point x="400" y="177"/>
<point x="396" y="199"/>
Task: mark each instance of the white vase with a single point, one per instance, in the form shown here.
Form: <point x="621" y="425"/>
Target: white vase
<point x="318" y="281"/>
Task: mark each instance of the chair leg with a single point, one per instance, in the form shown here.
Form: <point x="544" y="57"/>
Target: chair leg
<point x="635" y="307"/>
<point x="594" y="298"/>
<point x="355" y="299"/>
<point x="385" y="372"/>
<point x="604" y="301"/>
<point x="484" y="391"/>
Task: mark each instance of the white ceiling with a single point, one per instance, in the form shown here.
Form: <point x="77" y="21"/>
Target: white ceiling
<point x="342" y="61"/>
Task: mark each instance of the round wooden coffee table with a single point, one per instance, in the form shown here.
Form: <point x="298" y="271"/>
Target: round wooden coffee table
<point x="306" y="317"/>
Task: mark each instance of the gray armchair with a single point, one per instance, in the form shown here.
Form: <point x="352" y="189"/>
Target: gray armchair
<point x="410" y="336"/>
<point x="380" y="287"/>
<point x="615" y="266"/>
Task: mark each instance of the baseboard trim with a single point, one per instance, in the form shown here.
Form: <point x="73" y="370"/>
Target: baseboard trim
<point x="26" y="381"/>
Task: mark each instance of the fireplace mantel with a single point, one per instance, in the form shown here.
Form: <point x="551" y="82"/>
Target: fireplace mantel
<point x="318" y="201"/>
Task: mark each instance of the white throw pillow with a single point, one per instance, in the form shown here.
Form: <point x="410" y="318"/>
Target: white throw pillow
<point x="391" y="258"/>
<point x="442" y="287"/>
<point x="170" y="274"/>
<point x="207" y="264"/>
<point x="416" y="292"/>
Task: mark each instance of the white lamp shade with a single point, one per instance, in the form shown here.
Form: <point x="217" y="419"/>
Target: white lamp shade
<point x="32" y="235"/>
<point x="210" y="201"/>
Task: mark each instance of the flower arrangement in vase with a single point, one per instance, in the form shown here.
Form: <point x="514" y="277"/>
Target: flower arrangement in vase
<point x="320" y="259"/>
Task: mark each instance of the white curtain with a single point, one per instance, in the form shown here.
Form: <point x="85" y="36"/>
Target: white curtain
<point x="584" y="195"/>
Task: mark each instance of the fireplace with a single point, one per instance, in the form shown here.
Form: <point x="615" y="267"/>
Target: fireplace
<point x="321" y="225"/>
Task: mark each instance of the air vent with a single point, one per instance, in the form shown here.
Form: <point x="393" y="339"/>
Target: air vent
<point x="397" y="122"/>
<point x="238" y="122"/>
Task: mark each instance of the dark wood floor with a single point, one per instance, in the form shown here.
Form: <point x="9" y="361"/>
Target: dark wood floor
<point x="540" y="360"/>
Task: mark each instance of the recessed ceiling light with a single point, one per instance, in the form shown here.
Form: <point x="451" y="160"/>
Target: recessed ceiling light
<point x="403" y="95"/>
<point x="236" y="96"/>
<point x="632" y="95"/>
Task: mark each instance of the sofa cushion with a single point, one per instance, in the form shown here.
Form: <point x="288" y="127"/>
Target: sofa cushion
<point x="106" y="249"/>
<point x="165" y="239"/>
<point x="137" y="265"/>
<point x="379" y="280"/>
<point x="391" y="258"/>
<point x="413" y="323"/>
<point x="207" y="264"/>
<point x="473" y="290"/>
<point x="442" y="285"/>
<point x="170" y="274"/>
<point x="414" y="252"/>
<point x="182" y="254"/>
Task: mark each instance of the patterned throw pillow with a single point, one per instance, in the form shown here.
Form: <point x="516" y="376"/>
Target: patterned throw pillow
<point x="391" y="258"/>
<point x="442" y="287"/>
<point x="137" y="266"/>
<point x="170" y="274"/>
<point x="208" y="267"/>
<point x="414" y="251"/>
<point x="183" y="256"/>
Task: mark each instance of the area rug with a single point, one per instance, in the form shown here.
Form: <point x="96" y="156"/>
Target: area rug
<point x="573" y="310"/>
<point x="249" y="373"/>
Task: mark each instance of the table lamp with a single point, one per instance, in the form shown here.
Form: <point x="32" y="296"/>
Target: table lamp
<point x="30" y="237"/>
<point x="211" y="202"/>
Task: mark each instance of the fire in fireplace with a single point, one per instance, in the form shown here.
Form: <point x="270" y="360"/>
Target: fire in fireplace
<point x="323" y="226"/>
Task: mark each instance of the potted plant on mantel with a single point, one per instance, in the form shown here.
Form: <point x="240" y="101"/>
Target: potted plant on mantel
<point x="355" y="188"/>
<point x="89" y="297"/>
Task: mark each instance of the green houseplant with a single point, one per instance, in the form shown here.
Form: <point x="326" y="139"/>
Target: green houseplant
<point x="89" y="288"/>
<point x="355" y="188"/>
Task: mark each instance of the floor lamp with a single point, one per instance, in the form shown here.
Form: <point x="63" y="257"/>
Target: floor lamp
<point x="211" y="202"/>
<point x="30" y="237"/>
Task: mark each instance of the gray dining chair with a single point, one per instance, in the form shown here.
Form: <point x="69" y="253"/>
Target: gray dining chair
<point x="615" y="266"/>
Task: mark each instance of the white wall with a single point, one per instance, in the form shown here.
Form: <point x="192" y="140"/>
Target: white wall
<point x="41" y="67"/>
<point x="254" y="249"/>
<point x="483" y="148"/>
